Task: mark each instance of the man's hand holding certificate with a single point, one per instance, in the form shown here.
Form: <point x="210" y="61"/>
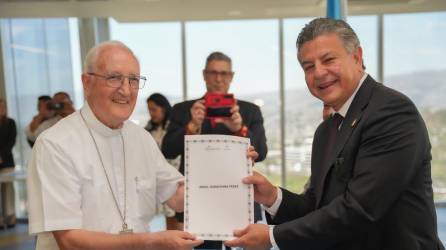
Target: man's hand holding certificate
<point x="216" y="200"/>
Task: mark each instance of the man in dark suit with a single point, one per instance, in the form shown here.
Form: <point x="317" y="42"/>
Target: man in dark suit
<point x="189" y="118"/>
<point x="371" y="185"/>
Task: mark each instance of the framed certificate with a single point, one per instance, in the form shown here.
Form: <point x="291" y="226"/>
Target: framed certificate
<point x="216" y="201"/>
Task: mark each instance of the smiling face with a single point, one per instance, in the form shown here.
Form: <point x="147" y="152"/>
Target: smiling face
<point x="331" y="72"/>
<point x="112" y="106"/>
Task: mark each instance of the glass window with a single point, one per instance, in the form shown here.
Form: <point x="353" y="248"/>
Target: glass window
<point x="366" y="28"/>
<point x="303" y="112"/>
<point x="76" y="63"/>
<point x="158" y="48"/>
<point x="253" y="48"/>
<point x="414" y="64"/>
<point x="57" y="39"/>
<point x="37" y="61"/>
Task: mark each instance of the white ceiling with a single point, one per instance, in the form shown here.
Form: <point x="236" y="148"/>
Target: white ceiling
<point x="175" y="10"/>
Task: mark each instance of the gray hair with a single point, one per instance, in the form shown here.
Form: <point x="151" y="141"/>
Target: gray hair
<point x="218" y="56"/>
<point x="322" y="26"/>
<point x="93" y="53"/>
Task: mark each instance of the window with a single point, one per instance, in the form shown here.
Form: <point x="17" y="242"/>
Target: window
<point x="414" y="64"/>
<point x="158" y="48"/>
<point x="303" y="112"/>
<point x="366" y="28"/>
<point x="37" y="61"/>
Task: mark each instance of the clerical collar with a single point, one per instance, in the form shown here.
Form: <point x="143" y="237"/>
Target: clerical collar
<point x="96" y="125"/>
<point x="343" y="110"/>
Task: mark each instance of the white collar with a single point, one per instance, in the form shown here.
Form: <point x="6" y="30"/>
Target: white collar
<point x="94" y="124"/>
<point x="344" y="108"/>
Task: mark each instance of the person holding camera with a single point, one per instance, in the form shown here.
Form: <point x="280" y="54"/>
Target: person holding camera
<point x="215" y="113"/>
<point x="50" y="112"/>
<point x="44" y="113"/>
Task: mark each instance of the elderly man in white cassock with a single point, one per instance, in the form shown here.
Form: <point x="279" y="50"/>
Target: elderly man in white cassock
<point x="95" y="178"/>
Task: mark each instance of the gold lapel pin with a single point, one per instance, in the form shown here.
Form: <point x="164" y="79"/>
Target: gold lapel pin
<point x="353" y="123"/>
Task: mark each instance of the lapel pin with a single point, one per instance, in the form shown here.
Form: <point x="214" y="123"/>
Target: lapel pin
<point x="353" y="123"/>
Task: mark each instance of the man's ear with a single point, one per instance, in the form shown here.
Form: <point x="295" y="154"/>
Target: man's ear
<point x="204" y="75"/>
<point x="86" y="83"/>
<point x="357" y="55"/>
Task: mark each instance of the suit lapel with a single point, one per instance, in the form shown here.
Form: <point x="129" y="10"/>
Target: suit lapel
<point x="349" y="124"/>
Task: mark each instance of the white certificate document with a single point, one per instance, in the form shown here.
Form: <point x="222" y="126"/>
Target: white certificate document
<point x="215" y="200"/>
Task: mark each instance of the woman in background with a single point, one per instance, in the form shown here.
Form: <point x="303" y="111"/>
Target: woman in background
<point x="159" y="110"/>
<point x="8" y="133"/>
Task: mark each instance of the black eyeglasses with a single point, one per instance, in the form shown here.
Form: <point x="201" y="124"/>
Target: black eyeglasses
<point x="223" y="74"/>
<point x="116" y="80"/>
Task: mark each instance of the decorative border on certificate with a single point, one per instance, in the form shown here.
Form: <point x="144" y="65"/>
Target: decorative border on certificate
<point x="219" y="139"/>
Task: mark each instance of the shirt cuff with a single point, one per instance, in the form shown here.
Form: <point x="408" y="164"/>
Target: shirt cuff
<point x="273" y="209"/>
<point x="242" y="132"/>
<point x="271" y="238"/>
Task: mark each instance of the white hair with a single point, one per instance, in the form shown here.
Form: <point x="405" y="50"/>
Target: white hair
<point x="93" y="53"/>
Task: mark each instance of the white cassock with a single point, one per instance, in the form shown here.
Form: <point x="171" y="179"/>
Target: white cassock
<point x="67" y="186"/>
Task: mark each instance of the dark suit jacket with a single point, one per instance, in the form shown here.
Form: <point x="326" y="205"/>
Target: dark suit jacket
<point x="376" y="190"/>
<point x="8" y="133"/>
<point x="173" y="142"/>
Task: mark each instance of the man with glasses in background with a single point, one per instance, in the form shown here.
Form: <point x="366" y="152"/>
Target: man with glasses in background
<point x="95" y="178"/>
<point x="190" y="118"/>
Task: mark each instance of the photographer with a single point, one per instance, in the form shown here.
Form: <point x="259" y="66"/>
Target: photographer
<point x="61" y="105"/>
<point x="43" y="114"/>
<point x="189" y="117"/>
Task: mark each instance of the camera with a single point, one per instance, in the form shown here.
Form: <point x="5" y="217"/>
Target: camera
<point x="218" y="105"/>
<point x="55" y="106"/>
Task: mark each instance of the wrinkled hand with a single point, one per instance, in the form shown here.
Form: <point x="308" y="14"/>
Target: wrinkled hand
<point x="264" y="192"/>
<point x="234" y="122"/>
<point x="197" y="113"/>
<point x="173" y="239"/>
<point x="253" y="237"/>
